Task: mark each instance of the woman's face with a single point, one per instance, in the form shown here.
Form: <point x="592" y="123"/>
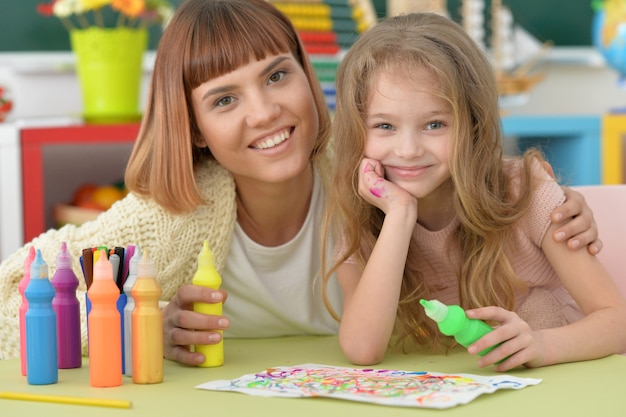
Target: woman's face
<point x="259" y="121"/>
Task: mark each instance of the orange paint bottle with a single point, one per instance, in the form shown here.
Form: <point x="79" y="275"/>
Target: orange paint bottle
<point x="147" y="325"/>
<point x="105" y="340"/>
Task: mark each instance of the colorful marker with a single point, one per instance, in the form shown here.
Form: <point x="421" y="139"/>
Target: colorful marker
<point x="128" y="255"/>
<point x="120" y="277"/>
<point x="88" y="266"/>
<point x="114" y="258"/>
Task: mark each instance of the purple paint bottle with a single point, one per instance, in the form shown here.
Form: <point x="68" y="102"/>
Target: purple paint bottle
<point x="67" y="311"/>
<point x="24" y="307"/>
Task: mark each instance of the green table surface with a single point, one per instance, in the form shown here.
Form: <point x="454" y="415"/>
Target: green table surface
<point x="591" y="388"/>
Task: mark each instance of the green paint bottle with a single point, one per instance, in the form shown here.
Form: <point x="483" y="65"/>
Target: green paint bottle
<point x="452" y="321"/>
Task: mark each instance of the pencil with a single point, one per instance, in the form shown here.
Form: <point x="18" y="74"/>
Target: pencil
<point x="60" y="399"/>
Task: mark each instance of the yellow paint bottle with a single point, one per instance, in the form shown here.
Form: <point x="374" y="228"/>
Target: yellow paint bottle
<point x="207" y="276"/>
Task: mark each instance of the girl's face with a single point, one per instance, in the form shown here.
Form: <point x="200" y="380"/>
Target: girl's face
<point x="409" y="131"/>
<point x="259" y="121"/>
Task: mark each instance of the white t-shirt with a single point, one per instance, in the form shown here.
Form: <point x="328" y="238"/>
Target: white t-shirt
<point x="277" y="291"/>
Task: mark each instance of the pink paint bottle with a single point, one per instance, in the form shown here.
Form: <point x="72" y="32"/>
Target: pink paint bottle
<point x="24" y="307"/>
<point x="105" y="329"/>
<point x="67" y="309"/>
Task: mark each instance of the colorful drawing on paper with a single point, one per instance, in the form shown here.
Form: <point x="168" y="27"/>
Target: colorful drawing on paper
<point x="385" y="387"/>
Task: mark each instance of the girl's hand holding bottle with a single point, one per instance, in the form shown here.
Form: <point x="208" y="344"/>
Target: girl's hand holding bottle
<point x="519" y="344"/>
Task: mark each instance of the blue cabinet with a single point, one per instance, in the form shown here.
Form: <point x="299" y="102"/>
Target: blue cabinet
<point x="570" y="143"/>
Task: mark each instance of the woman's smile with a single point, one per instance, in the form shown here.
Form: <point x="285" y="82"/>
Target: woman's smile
<point x="271" y="140"/>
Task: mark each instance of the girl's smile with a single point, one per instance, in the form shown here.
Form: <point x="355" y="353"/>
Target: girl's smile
<point x="406" y="172"/>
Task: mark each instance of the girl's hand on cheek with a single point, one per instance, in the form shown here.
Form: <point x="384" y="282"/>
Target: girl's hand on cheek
<point x="378" y="191"/>
<point x="518" y="344"/>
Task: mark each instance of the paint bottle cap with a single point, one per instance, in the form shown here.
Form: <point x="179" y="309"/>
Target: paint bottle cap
<point x="435" y="309"/>
<point x="39" y="267"/>
<point x="206" y="257"/>
<point x="133" y="265"/>
<point x="29" y="260"/>
<point x="103" y="270"/>
<point x="146" y="267"/>
<point x="64" y="260"/>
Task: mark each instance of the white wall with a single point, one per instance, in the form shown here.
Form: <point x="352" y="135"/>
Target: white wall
<point x="44" y="85"/>
<point x="577" y="82"/>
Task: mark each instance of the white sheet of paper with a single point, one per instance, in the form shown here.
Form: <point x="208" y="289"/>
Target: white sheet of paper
<point x="379" y="386"/>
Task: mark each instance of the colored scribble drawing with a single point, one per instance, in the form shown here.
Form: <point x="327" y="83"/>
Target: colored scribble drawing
<point x="385" y="387"/>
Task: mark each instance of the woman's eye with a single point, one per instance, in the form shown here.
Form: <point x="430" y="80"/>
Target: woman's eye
<point x="224" y="101"/>
<point x="384" y="126"/>
<point x="277" y="76"/>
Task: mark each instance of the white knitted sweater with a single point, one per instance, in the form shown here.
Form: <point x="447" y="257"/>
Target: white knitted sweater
<point x="172" y="241"/>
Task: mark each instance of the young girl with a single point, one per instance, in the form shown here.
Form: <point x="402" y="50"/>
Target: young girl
<point x="424" y="206"/>
<point x="231" y="149"/>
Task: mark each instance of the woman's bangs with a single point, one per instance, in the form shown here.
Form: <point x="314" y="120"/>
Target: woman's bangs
<point x="222" y="48"/>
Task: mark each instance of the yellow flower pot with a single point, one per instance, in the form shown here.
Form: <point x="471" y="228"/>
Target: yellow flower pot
<point x="109" y="67"/>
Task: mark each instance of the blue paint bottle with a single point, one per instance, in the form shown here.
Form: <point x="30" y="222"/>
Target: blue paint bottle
<point x="41" y="326"/>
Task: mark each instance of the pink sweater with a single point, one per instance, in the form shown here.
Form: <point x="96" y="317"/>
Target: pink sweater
<point x="545" y="303"/>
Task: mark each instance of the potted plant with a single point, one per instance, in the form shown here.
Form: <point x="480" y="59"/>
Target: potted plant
<point x="109" y="56"/>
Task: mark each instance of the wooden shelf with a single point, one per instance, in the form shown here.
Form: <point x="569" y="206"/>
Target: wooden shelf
<point x="56" y="160"/>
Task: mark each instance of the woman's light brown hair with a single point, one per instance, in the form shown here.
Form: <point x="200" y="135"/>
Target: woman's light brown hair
<point x="205" y="39"/>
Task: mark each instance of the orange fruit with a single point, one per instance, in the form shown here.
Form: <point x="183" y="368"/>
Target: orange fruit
<point x="88" y="204"/>
<point x="83" y="194"/>
<point x="106" y="195"/>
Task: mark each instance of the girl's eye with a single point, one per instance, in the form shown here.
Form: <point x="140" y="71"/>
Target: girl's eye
<point x="224" y="101"/>
<point x="277" y="76"/>
<point x="434" y="125"/>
